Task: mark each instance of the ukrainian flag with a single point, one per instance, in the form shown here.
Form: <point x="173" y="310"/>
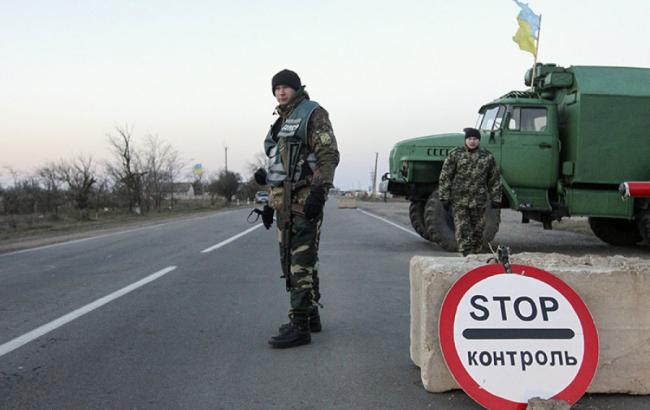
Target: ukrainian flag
<point x="528" y="31"/>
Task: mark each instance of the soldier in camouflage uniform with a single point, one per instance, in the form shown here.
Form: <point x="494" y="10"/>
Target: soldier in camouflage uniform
<point x="469" y="178"/>
<point x="301" y="118"/>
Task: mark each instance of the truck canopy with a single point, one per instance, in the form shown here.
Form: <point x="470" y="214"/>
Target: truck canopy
<point x="604" y="125"/>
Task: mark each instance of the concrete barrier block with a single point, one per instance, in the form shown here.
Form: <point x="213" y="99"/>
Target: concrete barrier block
<point x="345" y="202"/>
<point x="615" y="289"/>
<point x="430" y="280"/>
<point x="541" y="404"/>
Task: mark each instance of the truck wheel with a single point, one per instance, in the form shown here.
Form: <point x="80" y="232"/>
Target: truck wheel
<point x="416" y="214"/>
<point x="440" y="224"/>
<point x="617" y="232"/>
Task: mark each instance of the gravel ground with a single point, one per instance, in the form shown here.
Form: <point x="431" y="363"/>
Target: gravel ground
<point x="572" y="236"/>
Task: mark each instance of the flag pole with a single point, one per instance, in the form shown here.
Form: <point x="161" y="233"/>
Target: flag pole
<point x="539" y="32"/>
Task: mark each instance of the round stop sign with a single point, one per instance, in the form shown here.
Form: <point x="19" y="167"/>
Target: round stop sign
<point x="510" y="337"/>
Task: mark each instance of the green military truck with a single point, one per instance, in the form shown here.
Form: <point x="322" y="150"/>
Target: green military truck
<point x="563" y="148"/>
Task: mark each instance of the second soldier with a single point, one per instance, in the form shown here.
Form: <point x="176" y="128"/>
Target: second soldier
<point x="469" y="181"/>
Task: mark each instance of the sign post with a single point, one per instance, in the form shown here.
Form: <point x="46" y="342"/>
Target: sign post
<point x="510" y="337"/>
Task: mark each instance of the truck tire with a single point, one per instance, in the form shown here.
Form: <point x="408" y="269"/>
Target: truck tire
<point x="416" y="214"/>
<point x="440" y="224"/>
<point x="617" y="232"/>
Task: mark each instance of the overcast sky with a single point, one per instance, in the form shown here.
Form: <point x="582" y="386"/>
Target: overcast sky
<point x="198" y="73"/>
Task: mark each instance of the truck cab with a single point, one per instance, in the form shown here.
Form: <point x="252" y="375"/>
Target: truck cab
<point x="521" y="132"/>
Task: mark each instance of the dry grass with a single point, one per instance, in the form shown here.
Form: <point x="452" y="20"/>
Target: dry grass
<point x="21" y="227"/>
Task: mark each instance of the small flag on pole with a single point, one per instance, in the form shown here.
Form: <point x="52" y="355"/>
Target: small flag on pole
<point x="528" y="32"/>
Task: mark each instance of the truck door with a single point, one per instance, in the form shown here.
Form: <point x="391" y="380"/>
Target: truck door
<point x="530" y="147"/>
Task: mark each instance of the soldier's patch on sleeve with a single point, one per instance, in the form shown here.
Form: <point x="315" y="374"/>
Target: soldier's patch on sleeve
<point x="325" y="138"/>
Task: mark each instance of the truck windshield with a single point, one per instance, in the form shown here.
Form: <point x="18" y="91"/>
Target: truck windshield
<point x="491" y="119"/>
<point x="528" y="119"/>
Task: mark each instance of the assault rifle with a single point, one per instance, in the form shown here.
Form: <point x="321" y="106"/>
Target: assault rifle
<point x="293" y="147"/>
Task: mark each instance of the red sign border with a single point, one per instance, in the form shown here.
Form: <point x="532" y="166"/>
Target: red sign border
<point x="587" y="370"/>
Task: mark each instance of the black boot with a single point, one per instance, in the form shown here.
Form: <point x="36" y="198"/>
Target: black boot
<point x="314" y="323"/>
<point x="298" y="334"/>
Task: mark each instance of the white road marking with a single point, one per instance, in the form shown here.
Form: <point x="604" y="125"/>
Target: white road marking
<point x="227" y="241"/>
<point x="40" y="331"/>
<point x="390" y="223"/>
<point x="112" y="234"/>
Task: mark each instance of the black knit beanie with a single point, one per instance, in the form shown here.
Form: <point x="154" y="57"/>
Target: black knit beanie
<point x="286" y="77"/>
<point x="472" y="132"/>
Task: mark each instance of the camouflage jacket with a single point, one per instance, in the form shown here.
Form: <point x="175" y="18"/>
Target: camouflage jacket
<point x="320" y="141"/>
<point x="469" y="178"/>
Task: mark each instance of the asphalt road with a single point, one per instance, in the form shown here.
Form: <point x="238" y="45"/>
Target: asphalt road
<point x="177" y="316"/>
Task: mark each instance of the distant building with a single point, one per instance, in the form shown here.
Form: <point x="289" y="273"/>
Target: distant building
<point x="181" y="190"/>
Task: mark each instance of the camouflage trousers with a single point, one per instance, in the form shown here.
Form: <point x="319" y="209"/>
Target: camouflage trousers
<point x="305" y="235"/>
<point x="469" y="224"/>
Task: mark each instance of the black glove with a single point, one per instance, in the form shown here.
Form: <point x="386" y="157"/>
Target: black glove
<point x="260" y="176"/>
<point x="267" y="216"/>
<point x="445" y="205"/>
<point x="315" y="202"/>
<point x="495" y="205"/>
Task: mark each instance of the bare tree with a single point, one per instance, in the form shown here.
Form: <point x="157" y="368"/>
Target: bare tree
<point x="15" y="174"/>
<point x="79" y="175"/>
<point x="173" y="165"/>
<point x="26" y="194"/>
<point x="162" y="165"/>
<point x="101" y="193"/>
<point x="13" y="196"/>
<point x="53" y="196"/>
<point x="126" y="168"/>
<point x="153" y="167"/>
